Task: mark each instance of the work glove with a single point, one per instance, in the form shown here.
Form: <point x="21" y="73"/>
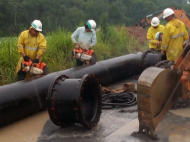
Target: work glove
<point x="35" y="61"/>
<point x="26" y="58"/>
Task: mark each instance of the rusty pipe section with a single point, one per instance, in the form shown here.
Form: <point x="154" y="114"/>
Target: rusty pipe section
<point x="75" y="101"/>
<point x="24" y="98"/>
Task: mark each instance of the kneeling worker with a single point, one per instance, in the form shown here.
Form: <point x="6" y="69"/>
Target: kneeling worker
<point x="31" y="46"/>
<point x="86" y="37"/>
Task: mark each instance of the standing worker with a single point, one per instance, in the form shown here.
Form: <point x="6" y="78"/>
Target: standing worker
<point x="31" y="46"/>
<point x="154" y="44"/>
<point x="174" y="36"/>
<point x="86" y="37"/>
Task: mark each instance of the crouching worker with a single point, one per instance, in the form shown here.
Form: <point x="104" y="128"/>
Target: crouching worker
<point x="86" y="37"/>
<point x="154" y="44"/>
<point x="31" y="46"/>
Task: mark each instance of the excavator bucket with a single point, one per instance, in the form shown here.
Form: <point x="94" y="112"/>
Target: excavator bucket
<point x="158" y="89"/>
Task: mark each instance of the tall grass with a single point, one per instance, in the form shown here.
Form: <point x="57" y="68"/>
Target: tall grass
<point x="8" y="60"/>
<point x="59" y="48"/>
<point x="111" y="42"/>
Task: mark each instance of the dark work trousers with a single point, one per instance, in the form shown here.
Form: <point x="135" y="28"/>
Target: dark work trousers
<point x="91" y="62"/>
<point x="21" y="75"/>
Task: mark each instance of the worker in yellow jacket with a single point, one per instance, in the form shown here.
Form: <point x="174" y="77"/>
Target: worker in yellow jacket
<point x="31" y="45"/>
<point x="155" y="27"/>
<point x="174" y="36"/>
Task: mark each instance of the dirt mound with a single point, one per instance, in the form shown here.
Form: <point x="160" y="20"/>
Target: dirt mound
<point x="138" y="32"/>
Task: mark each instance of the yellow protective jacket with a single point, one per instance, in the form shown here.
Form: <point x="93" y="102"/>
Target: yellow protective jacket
<point x="174" y="35"/>
<point x="151" y="36"/>
<point x="31" y="46"/>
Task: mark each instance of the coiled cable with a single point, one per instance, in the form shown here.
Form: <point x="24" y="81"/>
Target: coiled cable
<point x="123" y="99"/>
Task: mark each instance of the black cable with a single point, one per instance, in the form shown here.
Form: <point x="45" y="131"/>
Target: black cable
<point x="123" y="99"/>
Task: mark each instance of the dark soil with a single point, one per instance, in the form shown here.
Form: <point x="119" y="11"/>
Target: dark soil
<point x="138" y="32"/>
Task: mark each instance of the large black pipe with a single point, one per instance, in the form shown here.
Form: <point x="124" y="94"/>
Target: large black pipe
<point x="23" y="98"/>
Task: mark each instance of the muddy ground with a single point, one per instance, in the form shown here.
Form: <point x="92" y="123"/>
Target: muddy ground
<point x="138" y="33"/>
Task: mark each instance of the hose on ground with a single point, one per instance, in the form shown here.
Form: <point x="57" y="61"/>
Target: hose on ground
<point x="123" y="99"/>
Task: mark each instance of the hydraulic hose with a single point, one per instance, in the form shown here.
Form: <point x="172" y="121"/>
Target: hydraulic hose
<point x="123" y="99"/>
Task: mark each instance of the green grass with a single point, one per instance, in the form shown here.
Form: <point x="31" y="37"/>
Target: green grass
<point x="8" y="60"/>
<point x="112" y="42"/>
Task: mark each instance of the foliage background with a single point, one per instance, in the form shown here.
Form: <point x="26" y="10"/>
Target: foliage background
<point x="16" y="15"/>
<point x="61" y="17"/>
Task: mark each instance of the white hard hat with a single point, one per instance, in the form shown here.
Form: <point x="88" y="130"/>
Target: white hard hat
<point x="157" y="35"/>
<point x="155" y="21"/>
<point x="37" y="25"/>
<point x="168" y="12"/>
<point x="91" y="25"/>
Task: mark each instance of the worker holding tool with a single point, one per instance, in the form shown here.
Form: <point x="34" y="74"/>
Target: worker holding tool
<point x="86" y="37"/>
<point x="158" y="37"/>
<point x="174" y="36"/>
<point x="154" y="44"/>
<point x="31" y="46"/>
